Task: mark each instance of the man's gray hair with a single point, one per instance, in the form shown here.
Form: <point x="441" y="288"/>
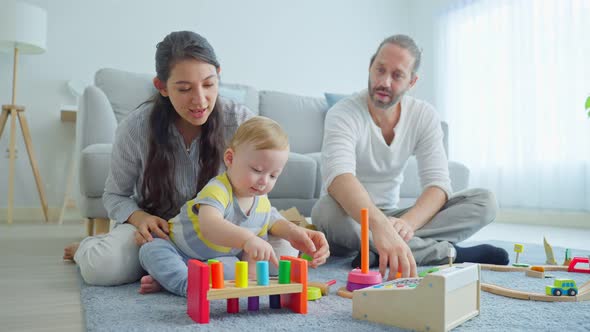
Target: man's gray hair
<point x="405" y="42"/>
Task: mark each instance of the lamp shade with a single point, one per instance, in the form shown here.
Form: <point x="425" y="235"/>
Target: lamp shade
<point x="22" y="26"/>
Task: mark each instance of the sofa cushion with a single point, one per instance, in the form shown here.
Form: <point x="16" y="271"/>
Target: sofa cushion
<point x="333" y="98"/>
<point x="241" y="94"/>
<point x="301" y="117"/>
<point x="298" y="179"/>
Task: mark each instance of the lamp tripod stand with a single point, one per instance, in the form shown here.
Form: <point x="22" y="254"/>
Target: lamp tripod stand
<point x="15" y="111"/>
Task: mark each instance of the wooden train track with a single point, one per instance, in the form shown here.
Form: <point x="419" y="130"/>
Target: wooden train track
<point x="583" y="291"/>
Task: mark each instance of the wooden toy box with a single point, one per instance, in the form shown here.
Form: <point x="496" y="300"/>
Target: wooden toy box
<point x="441" y="300"/>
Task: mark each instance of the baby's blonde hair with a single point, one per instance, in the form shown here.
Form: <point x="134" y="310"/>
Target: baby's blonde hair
<point x="263" y="133"/>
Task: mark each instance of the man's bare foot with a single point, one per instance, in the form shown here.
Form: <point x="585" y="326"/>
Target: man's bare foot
<point x="70" y="251"/>
<point x="149" y="285"/>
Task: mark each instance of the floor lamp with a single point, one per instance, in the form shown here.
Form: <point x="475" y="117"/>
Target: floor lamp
<point x="22" y="30"/>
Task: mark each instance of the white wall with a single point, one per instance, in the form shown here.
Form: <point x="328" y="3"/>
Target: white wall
<point x="304" y="47"/>
<point x="424" y="14"/>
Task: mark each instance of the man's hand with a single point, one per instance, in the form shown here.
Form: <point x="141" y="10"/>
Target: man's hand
<point x="403" y="228"/>
<point x="311" y="242"/>
<point x="147" y="225"/>
<point x="393" y="252"/>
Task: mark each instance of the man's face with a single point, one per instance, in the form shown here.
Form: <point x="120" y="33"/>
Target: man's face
<point x="390" y="76"/>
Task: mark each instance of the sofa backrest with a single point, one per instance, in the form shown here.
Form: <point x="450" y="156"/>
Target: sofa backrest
<point x="127" y="90"/>
<point x="302" y="118"/>
<point x="124" y="90"/>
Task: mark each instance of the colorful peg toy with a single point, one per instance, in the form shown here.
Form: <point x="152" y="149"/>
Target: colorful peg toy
<point x="363" y="277"/>
<point x="205" y="283"/>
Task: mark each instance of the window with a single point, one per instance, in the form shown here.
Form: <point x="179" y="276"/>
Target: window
<point x="512" y="80"/>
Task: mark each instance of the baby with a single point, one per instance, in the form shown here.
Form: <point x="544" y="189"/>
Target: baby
<point x="231" y="216"/>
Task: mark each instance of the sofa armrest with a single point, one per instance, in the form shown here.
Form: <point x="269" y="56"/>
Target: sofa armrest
<point x="94" y="168"/>
<point x="459" y="176"/>
<point x="96" y="122"/>
<point x="298" y="180"/>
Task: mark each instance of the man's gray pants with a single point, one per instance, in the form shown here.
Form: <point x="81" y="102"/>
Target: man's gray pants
<point x="465" y="213"/>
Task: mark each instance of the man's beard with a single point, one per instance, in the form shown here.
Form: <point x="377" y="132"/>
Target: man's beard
<point x="378" y="103"/>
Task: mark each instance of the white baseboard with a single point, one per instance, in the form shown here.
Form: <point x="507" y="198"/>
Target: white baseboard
<point x="544" y="218"/>
<point x="35" y="214"/>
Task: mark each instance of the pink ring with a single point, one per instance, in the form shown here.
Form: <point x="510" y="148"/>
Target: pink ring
<point x="370" y="278"/>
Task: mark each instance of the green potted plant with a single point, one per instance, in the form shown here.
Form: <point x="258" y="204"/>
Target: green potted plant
<point x="588" y="106"/>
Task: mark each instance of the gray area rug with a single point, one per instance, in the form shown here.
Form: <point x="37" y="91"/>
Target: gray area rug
<point x="122" y="308"/>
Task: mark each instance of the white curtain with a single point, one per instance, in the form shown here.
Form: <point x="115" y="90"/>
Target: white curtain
<point x="512" y="80"/>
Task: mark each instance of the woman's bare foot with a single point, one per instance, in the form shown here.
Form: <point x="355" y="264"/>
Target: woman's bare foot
<point x="70" y="251"/>
<point x="149" y="285"/>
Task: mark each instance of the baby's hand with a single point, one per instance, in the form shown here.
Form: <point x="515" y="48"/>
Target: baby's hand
<point x="260" y="250"/>
<point x="310" y="242"/>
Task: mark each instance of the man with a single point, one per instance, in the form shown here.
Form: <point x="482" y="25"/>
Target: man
<point x="368" y="139"/>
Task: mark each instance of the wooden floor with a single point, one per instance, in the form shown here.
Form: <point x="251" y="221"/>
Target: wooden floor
<point x="40" y="292"/>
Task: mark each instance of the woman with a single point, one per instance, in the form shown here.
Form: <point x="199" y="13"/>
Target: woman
<point x="164" y="153"/>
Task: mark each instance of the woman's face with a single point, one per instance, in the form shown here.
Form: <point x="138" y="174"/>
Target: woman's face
<point x="192" y="87"/>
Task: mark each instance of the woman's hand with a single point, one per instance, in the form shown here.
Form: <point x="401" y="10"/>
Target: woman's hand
<point x="147" y="225"/>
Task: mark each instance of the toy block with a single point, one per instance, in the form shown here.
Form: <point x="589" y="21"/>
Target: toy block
<point x="233" y="306"/>
<point x="518" y="249"/>
<point x="262" y="277"/>
<point x="274" y="301"/>
<point x="306" y="257"/>
<point x="313" y="293"/>
<point x="231" y="291"/>
<point x="253" y="303"/>
<point x="536" y="272"/>
<point x="364" y="242"/>
<point x="363" y="277"/>
<point x="261" y="280"/>
<point x="284" y="278"/>
<point x="549" y="252"/>
<point x="579" y="260"/>
<point x="241" y="281"/>
<point x="293" y="294"/>
<point x="440" y="301"/>
<point x="568" y="257"/>
<point x="297" y="301"/>
<point x="196" y="294"/>
<point x="216" y="275"/>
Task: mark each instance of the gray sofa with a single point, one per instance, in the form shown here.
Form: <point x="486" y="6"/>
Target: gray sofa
<point x="115" y="93"/>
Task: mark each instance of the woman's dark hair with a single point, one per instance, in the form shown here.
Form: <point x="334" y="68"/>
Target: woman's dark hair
<point x="159" y="195"/>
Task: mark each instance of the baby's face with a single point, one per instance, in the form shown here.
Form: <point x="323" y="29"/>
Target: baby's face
<point x="255" y="172"/>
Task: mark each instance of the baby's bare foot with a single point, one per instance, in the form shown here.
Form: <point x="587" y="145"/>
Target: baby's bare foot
<point x="149" y="285"/>
<point x="70" y="251"/>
